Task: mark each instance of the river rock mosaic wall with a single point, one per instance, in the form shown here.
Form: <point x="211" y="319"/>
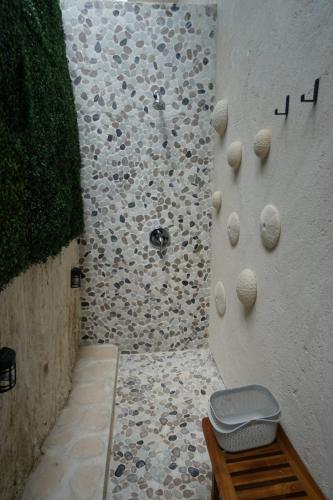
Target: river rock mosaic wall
<point x="144" y="168"/>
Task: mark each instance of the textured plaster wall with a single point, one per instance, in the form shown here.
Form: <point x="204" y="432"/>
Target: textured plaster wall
<point x="144" y="168"/>
<point x="267" y="50"/>
<point x="39" y="319"/>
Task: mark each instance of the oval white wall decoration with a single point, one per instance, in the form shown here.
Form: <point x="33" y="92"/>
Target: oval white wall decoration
<point x="234" y="154"/>
<point x="270" y="226"/>
<point x="233" y="228"/>
<point x="220" y="299"/>
<point x="220" y="117"/>
<point x="217" y="200"/>
<point x="262" y="143"/>
<point x="246" y="287"/>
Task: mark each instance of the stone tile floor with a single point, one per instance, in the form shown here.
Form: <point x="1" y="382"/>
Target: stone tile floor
<point x="75" y="452"/>
<point x="158" y="448"/>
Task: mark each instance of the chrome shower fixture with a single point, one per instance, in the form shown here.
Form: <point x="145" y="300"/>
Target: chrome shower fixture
<point x="160" y="238"/>
<point x="158" y="103"/>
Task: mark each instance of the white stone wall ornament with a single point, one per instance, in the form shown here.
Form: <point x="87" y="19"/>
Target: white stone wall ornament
<point x="262" y="143"/>
<point x="234" y="154"/>
<point x="270" y="226"/>
<point x="220" y="117"/>
<point x="217" y="200"/>
<point x="246" y="287"/>
<point x="220" y="298"/>
<point x="233" y="228"/>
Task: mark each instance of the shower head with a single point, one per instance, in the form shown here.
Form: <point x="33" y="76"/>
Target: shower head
<point x="158" y="103"/>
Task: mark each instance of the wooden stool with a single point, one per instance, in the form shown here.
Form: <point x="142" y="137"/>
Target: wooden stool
<point x="269" y="472"/>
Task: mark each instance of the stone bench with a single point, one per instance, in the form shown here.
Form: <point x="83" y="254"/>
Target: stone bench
<point x="75" y="455"/>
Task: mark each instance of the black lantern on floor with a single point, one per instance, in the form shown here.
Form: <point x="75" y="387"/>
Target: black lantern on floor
<point x="76" y="277"/>
<point x="7" y="369"/>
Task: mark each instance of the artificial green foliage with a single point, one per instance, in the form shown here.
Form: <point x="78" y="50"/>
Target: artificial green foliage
<point x="40" y="193"/>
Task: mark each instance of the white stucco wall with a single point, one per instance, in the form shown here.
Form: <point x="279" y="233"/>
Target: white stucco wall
<point x="266" y="50"/>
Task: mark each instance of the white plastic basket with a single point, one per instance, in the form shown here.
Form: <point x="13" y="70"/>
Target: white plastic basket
<point x="243" y="404"/>
<point x="245" y="436"/>
<point x="244" y="418"/>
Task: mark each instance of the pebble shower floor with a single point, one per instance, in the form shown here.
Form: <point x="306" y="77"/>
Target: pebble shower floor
<point x="158" y="448"/>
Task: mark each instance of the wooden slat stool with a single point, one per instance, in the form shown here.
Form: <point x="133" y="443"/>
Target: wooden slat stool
<point x="270" y="472"/>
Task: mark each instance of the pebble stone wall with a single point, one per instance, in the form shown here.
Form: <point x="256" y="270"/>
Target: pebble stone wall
<point x="144" y="168"/>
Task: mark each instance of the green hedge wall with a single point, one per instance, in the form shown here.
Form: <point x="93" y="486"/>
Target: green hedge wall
<point x="40" y="193"/>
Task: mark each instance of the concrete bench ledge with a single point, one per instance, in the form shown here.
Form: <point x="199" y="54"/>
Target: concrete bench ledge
<point x="75" y="457"/>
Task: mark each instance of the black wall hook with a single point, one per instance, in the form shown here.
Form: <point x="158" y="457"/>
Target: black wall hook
<point x="315" y="93"/>
<point x="286" y="110"/>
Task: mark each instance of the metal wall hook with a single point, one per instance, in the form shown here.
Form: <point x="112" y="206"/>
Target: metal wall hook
<point x="286" y="109"/>
<point x="315" y="93"/>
